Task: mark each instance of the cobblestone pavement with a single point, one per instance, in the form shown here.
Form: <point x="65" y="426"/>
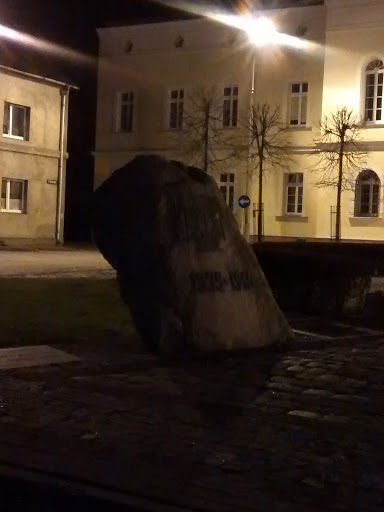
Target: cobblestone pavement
<point x="258" y="431"/>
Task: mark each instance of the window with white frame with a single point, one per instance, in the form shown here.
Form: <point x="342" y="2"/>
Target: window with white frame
<point x="367" y="194"/>
<point x="16" y="121"/>
<point x="230" y="106"/>
<point x="294" y="193"/>
<point x="227" y="188"/>
<point x="176" y="109"/>
<point x="13" y="195"/>
<point x="374" y="91"/>
<point x="124" y="114"/>
<point x="298" y="104"/>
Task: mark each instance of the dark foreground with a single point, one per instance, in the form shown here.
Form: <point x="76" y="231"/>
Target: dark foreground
<point x="294" y="431"/>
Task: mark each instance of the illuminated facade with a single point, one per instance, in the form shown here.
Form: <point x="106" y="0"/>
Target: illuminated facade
<point x="147" y="71"/>
<point x="33" y="156"/>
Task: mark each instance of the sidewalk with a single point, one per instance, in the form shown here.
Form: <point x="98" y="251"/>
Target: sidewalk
<point x="58" y="263"/>
<point x="299" y="431"/>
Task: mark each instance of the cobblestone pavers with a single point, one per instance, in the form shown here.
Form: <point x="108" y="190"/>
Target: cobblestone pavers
<point x="298" y="431"/>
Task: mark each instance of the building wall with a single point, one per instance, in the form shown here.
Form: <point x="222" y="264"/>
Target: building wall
<point x="342" y="38"/>
<point x="35" y="160"/>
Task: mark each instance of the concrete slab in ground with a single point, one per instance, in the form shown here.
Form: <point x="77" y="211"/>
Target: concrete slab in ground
<point x="24" y="357"/>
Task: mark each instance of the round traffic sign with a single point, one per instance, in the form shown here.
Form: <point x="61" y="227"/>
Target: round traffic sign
<point x="244" y="201"/>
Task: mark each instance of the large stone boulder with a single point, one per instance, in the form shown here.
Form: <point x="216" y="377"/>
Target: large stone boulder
<point x="186" y="273"/>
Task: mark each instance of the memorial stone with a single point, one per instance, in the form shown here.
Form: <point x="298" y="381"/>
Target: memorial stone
<point x="188" y="276"/>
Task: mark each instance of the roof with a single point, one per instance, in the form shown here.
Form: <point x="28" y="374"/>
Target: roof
<point x="36" y="77"/>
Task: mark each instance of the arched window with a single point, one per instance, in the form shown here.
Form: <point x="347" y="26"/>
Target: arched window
<point x="367" y="196"/>
<point x="374" y="91"/>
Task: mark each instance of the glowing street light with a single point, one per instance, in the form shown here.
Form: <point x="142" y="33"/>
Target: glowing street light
<point x="261" y="32"/>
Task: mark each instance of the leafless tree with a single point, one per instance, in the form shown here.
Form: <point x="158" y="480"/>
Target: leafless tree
<point x="266" y="148"/>
<point x="202" y="141"/>
<point x="340" y="155"/>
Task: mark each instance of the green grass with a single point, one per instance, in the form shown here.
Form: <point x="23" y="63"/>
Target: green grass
<point x="38" y="311"/>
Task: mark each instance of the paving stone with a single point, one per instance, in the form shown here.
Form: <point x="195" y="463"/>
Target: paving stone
<point x="305" y="414"/>
<point x="355" y="382"/>
<point x="261" y="400"/>
<point x="316" y="392"/>
<point x="329" y="378"/>
<point x="313" y="482"/>
<point x="282" y="386"/>
<point x="374" y="480"/>
<point x="352" y="398"/>
<point x="314" y="371"/>
<point x="336" y="419"/>
<point x="314" y="365"/>
<point x="332" y="367"/>
<point x="7" y="419"/>
<point x="279" y="378"/>
<point x="295" y="369"/>
<point x="377" y="387"/>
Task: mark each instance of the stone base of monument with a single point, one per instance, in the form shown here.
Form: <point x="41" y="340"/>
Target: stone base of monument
<point x="190" y="279"/>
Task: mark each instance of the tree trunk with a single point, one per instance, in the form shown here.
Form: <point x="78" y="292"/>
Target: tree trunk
<point x="260" y="209"/>
<point x="206" y="141"/>
<point x="339" y="186"/>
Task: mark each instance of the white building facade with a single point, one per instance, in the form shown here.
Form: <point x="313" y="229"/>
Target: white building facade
<point x="148" y="75"/>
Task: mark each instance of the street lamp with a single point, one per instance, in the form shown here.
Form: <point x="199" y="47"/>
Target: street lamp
<point x="261" y="32"/>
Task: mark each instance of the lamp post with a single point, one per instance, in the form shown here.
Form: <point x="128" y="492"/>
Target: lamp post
<point x="260" y="33"/>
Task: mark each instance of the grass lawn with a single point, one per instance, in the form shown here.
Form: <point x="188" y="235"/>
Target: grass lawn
<point x="39" y="311"/>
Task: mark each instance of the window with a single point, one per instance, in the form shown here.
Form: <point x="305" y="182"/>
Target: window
<point x="298" y="104"/>
<point x="176" y="109"/>
<point x="179" y="42"/>
<point x="230" y="105"/>
<point x="294" y="193"/>
<point x="227" y="188"/>
<point x="374" y="91"/>
<point x="367" y="194"/>
<point x="13" y="195"/>
<point x="125" y="112"/>
<point x="128" y="47"/>
<point x="16" y="121"/>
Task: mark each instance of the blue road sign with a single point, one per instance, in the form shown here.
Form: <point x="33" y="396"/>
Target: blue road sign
<point x="244" y="201"/>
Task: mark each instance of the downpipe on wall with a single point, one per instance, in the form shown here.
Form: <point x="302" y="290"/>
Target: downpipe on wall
<point x="64" y="93"/>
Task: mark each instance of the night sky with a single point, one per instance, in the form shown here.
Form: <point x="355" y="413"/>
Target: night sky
<point x="73" y="24"/>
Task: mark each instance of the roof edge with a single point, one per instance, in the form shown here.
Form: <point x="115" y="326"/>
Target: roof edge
<point x="37" y="77"/>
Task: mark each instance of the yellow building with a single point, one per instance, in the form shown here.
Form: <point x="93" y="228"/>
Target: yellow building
<point x="33" y="156"/>
<point x="149" y="74"/>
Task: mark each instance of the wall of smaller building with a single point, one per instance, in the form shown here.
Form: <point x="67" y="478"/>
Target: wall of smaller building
<point x="34" y="160"/>
<point x="38" y="221"/>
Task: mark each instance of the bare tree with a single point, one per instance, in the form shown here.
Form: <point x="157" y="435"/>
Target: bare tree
<point x="266" y="149"/>
<point x="201" y="141"/>
<point x="340" y="155"/>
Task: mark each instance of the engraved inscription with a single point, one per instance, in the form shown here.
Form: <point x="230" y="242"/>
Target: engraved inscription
<point x="241" y="281"/>
<point x="195" y="219"/>
<point x="206" y="282"/>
